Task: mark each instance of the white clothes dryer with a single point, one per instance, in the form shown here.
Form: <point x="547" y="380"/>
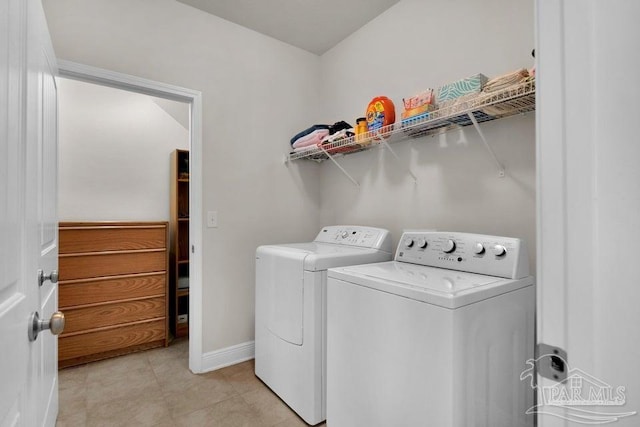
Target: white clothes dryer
<point x="437" y="337"/>
<point x="290" y="322"/>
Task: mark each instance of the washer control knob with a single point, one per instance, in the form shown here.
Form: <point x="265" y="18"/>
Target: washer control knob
<point x="408" y="242"/>
<point x="478" y="248"/>
<point x="344" y="234"/>
<point x="422" y="243"/>
<point x="449" y="246"/>
<point x="499" y="250"/>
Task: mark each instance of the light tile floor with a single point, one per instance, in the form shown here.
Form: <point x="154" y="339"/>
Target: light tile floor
<point x="156" y="388"/>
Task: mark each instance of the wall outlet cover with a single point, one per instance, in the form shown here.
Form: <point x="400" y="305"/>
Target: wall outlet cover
<point x="212" y="219"/>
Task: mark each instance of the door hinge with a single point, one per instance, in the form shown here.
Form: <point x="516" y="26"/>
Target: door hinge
<point x="193" y="249"/>
<point x="551" y="362"/>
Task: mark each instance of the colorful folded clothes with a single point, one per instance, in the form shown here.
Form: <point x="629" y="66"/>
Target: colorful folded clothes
<point x="307" y="132"/>
<point x="341" y="134"/>
<point x="313" y="138"/>
<point x="339" y="126"/>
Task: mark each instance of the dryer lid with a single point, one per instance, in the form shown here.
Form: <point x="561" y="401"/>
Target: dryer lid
<point x="439" y="286"/>
<point x="321" y="256"/>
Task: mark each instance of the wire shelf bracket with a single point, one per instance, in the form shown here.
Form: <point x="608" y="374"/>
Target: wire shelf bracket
<point x="501" y="173"/>
<point x="330" y="157"/>
<point x="287" y="161"/>
<point x="388" y="147"/>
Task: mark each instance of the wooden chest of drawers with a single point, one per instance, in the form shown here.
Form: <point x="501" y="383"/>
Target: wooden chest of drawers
<point x="113" y="289"/>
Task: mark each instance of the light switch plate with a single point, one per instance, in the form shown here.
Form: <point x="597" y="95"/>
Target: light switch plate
<point x="212" y="219"/>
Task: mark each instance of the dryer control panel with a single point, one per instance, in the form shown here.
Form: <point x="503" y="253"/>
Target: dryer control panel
<point x="354" y="235"/>
<point x="475" y="253"/>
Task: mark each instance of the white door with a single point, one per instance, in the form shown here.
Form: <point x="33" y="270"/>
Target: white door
<point x="41" y="208"/>
<point x="15" y="298"/>
<point x="28" y="192"/>
<point x="589" y="210"/>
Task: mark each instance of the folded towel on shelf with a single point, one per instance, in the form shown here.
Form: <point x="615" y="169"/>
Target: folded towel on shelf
<point x="506" y="80"/>
<point x="307" y="132"/>
<point x="313" y="138"/>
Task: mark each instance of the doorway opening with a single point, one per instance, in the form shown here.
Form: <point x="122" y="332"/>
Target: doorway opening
<point x="193" y="99"/>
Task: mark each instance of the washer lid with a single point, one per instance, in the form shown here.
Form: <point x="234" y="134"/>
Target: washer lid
<point x="321" y="256"/>
<point x="439" y="286"/>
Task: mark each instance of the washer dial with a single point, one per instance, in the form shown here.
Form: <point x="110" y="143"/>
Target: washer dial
<point x="449" y="246"/>
<point x="499" y="250"/>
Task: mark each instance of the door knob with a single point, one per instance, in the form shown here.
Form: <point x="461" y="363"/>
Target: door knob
<point x="37" y="325"/>
<point x="53" y="276"/>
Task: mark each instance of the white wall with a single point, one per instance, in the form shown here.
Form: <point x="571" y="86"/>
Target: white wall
<point x="256" y="92"/>
<point x="114" y="154"/>
<point x="412" y="46"/>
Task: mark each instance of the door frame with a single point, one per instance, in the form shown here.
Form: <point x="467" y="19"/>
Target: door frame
<point x="100" y="76"/>
<point x="587" y="223"/>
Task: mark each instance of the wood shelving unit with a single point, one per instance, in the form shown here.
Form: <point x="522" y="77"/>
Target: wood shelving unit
<point x="179" y="252"/>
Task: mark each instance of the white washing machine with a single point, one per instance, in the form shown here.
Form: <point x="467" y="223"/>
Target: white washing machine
<point x="437" y="337"/>
<point x="291" y="280"/>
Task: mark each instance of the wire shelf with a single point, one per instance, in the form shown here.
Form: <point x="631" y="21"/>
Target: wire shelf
<point x="517" y="99"/>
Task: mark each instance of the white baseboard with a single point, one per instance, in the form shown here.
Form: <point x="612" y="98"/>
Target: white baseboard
<point x="228" y="356"/>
